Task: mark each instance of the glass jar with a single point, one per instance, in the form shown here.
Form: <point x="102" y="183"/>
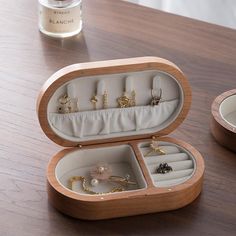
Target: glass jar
<point x="60" y="18"/>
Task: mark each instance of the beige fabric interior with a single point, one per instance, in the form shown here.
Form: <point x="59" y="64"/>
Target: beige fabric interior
<point x="181" y="161"/>
<point x="79" y="163"/>
<point x="228" y="110"/>
<point x="123" y="161"/>
<point x="88" y="124"/>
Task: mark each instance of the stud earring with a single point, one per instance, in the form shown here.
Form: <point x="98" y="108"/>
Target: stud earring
<point x="94" y="182"/>
<point x="102" y="171"/>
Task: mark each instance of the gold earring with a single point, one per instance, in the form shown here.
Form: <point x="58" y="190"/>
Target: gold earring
<point x="64" y="104"/>
<point x="94" y="101"/>
<point x="123" y="101"/>
<point x="154" y="146"/>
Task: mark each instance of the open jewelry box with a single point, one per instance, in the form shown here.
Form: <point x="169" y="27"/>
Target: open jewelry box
<point x="223" y="124"/>
<point x="114" y="115"/>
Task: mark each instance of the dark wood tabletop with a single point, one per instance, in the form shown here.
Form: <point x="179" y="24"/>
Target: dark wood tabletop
<point x="112" y="29"/>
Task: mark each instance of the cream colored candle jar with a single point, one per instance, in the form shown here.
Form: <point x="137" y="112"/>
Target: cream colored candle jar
<point x="60" y="18"/>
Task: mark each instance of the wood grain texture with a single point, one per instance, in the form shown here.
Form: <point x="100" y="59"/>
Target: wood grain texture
<point x="112" y="29"/>
<point x="143" y="201"/>
<point x="110" y="67"/>
<point x="223" y="132"/>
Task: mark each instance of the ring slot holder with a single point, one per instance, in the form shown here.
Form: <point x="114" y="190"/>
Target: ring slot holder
<point x="183" y="164"/>
<point x="99" y="130"/>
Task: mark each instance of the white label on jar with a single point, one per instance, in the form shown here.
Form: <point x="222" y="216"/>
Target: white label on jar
<point x="58" y="20"/>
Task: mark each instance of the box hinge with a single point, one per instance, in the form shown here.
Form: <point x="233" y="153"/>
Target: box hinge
<point x="154" y="137"/>
<point x="79" y="145"/>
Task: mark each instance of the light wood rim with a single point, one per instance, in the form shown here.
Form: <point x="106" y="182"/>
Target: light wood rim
<point x="109" y="67"/>
<point x="223" y="132"/>
<point x="215" y="110"/>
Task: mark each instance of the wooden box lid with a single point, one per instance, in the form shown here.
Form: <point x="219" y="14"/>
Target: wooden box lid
<point x="141" y="79"/>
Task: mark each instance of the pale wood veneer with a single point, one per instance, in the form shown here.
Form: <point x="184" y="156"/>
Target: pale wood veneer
<point x="142" y="201"/>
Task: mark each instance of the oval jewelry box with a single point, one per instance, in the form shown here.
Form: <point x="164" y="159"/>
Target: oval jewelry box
<point x="223" y="123"/>
<point x="114" y="117"/>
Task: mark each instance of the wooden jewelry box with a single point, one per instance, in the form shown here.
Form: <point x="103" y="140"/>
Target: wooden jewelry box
<point x="114" y="116"/>
<point x="223" y="124"/>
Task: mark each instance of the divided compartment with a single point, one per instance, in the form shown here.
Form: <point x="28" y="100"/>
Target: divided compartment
<point x="180" y="160"/>
<point x="120" y="158"/>
<point x="83" y="120"/>
<point x="86" y="123"/>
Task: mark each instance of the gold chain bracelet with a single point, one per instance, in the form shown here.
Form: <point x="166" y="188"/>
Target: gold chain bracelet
<point x="86" y="188"/>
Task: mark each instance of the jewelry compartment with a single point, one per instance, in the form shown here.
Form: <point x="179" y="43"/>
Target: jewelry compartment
<point x="120" y="159"/>
<point x="181" y="162"/>
<point x="113" y="121"/>
<point x="113" y="100"/>
<point x="124" y="158"/>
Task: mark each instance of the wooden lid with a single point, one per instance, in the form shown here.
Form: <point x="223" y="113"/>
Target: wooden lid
<point x="141" y="76"/>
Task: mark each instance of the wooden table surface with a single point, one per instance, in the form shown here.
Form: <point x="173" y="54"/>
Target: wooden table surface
<point x="112" y="29"/>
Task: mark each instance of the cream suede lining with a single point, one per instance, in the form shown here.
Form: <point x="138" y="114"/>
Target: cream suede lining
<point x="79" y="163"/>
<point x="105" y="122"/>
<point x="89" y="124"/>
<point x="123" y="161"/>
